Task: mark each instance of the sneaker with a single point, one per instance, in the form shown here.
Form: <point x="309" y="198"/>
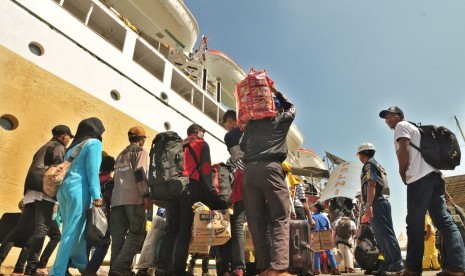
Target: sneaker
<point x="336" y="272"/>
<point x="394" y="273"/>
<point x="144" y="272"/>
<point x="238" y="272"/>
<point x="406" y="272"/>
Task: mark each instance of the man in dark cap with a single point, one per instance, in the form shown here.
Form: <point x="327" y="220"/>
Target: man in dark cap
<point x="38" y="207"/>
<point x="425" y="192"/>
<point x="266" y="194"/>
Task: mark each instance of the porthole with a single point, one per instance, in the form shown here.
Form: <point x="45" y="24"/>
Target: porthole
<point x="167" y="125"/>
<point x="36" y="48"/>
<point x="115" y="95"/>
<point x="164" y="96"/>
<point x="8" y="122"/>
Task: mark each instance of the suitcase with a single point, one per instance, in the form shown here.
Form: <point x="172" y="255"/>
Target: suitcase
<point x="300" y="252"/>
<point x="8" y="222"/>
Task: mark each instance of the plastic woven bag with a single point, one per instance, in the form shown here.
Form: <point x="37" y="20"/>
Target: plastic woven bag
<point x="254" y="99"/>
<point x="96" y="226"/>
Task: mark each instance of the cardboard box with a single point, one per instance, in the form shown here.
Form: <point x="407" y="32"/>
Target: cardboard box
<point x="199" y="248"/>
<point x="322" y="240"/>
<point x="248" y="243"/>
<point x="211" y="227"/>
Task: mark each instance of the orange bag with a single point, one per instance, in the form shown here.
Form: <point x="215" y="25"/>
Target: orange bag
<point x="254" y="99"/>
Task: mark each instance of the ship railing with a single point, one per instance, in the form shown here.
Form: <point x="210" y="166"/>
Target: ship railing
<point x="147" y="53"/>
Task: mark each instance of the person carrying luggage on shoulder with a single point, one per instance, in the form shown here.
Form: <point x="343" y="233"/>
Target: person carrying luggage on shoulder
<point x="80" y="188"/>
<point x="378" y="209"/>
<point x="179" y="214"/>
<point x="322" y="223"/>
<point x="425" y="192"/>
<point x="129" y="200"/>
<point x="38" y="207"/>
<point x="265" y="191"/>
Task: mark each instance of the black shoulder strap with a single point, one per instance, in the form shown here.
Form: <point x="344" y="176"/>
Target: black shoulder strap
<point x="415" y="147"/>
<point x="196" y="159"/>
<point x="411" y="144"/>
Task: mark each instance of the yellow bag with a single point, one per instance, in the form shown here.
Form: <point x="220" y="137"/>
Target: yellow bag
<point x="55" y="174"/>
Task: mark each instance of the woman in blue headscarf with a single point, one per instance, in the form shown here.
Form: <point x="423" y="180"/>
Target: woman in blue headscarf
<point x="80" y="186"/>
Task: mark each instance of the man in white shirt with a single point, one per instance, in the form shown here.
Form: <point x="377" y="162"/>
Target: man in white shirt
<point x="425" y="192"/>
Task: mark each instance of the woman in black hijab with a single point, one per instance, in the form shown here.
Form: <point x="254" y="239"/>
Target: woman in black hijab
<point x="88" y="128"/>
<point x="80" y="186"/>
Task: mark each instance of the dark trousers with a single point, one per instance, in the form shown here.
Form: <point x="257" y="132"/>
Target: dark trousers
<point x="266" y="195"/>
<point x="237" y="236"/>
<point x="179" y="217"/>
<point x="127" y="230"/>
<point x="386" y="237"/>
<point x="39" y="213"/>
<point x="427" y="194"/>
<point x="55" y="236"/>
<point x="100" y="251"/>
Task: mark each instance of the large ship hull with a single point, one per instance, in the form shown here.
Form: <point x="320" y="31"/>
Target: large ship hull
<point x="71" y="81"/>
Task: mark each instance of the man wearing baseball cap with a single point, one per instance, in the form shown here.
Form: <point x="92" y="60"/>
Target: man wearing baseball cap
<point x="38" y="207"/>
<point x="129" y="200"/>
<point x="374" y="190"/>
<point x="425" y="192"/>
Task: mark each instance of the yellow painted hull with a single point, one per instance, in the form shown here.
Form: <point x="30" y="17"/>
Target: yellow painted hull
<point x="41" y="100"/>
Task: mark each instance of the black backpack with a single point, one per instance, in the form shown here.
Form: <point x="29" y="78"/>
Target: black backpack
<point x="165" y="169"/>
<point x="221" y="184"/>
<point x="438" y="146"/>
<point x="366" y="254"/>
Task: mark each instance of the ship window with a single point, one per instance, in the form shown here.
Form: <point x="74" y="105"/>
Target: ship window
<point x="115" y="95"/>
<point x="146" y="57"/>
<point x="8" y="122"/>
<point x="167" y="125"/>
<point x="164" y="96"/>
<point x="36" y="48"/>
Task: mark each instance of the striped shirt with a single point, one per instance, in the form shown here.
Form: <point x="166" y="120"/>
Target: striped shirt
<point x="299" y="195"/>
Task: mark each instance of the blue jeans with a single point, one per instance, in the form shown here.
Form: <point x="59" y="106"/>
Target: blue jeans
<point x="427" y="194"/>
<point x="386" y="237"/>
<point x="331" y="260"/>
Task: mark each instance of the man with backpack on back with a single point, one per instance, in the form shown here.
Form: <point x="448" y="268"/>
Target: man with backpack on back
<point x="179" y="214"/>
<point x="343" y="237"/>
<point x="425" y="192"/>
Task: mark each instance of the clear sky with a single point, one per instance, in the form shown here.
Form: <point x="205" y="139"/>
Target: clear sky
<point x="341" y="62"/>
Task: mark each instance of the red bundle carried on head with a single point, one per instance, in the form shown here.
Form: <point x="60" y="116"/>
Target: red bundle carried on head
<point x="254" y="99"/>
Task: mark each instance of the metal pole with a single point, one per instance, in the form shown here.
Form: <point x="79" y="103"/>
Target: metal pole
<point x="460" y="129"/>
